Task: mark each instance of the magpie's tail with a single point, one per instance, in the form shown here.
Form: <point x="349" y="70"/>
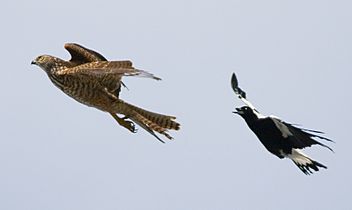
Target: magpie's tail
<point x="305" y="163"/>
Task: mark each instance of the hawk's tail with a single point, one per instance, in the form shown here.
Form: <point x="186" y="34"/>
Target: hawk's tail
<point x="150" y="121"/>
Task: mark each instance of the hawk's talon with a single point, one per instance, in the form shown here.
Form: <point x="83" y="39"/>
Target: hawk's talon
<point x="125" y="123"/>
<point x="128" y="124"/>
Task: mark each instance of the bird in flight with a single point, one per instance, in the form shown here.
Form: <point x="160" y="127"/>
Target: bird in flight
<point x="92" y="80"/>
<point x="280" y="138"/>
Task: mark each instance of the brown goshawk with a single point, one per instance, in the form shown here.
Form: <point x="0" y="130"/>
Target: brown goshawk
<point x="92" y="80"/>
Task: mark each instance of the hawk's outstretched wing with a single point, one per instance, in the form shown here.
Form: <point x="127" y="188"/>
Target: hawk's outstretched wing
<point x="80" y="54"/>
<point x="106" y="69"/>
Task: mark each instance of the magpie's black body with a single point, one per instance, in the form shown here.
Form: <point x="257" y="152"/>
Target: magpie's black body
<point x="266" y="131"/>
<point x="280" y="138"/>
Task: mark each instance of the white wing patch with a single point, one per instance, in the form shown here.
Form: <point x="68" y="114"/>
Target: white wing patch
<point x="282" y="127"/>
<point x="259" y="115"/>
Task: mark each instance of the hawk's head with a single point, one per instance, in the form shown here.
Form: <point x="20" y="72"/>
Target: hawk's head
<point x="47" y="62"/>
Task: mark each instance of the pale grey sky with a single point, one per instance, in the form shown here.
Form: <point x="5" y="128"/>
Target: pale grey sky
<point x="293" y="58"/>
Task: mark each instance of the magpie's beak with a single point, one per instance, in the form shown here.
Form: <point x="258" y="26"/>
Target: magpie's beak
<point x="238" y="111"/>
<point x="33" y="62"/>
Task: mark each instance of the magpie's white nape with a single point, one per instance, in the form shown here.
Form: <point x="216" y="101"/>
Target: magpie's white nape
<point x="280" y="138"/>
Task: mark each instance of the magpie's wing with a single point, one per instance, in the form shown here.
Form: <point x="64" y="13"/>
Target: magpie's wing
<point x="235" y="88"/>
<point x="302" y="137"/>
<point x="240" y="93"/>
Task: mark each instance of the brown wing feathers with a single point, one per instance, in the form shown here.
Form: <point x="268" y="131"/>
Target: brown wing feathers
<point x="103" y="68"/>
<point x="80" y="54"/>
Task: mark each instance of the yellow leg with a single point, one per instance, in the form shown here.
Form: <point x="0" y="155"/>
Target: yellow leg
<point x="125" y="123"/>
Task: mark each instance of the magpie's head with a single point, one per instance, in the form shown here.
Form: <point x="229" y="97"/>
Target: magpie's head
<point x="243" y="110"/>
<point x="246" y="112"/>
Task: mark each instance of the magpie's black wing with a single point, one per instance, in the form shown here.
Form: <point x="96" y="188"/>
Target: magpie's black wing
<point x="234" y="85"/>
<point x="241" y="94"/>
<point x="302" y="138"/>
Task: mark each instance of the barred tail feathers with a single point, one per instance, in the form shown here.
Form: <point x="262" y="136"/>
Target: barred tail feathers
<point x="149" y="126"/>
<point x="151" y="121"/>
<point x="164" y="121"/>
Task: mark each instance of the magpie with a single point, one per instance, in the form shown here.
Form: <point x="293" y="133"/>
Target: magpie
<point x="280" y="138"/>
